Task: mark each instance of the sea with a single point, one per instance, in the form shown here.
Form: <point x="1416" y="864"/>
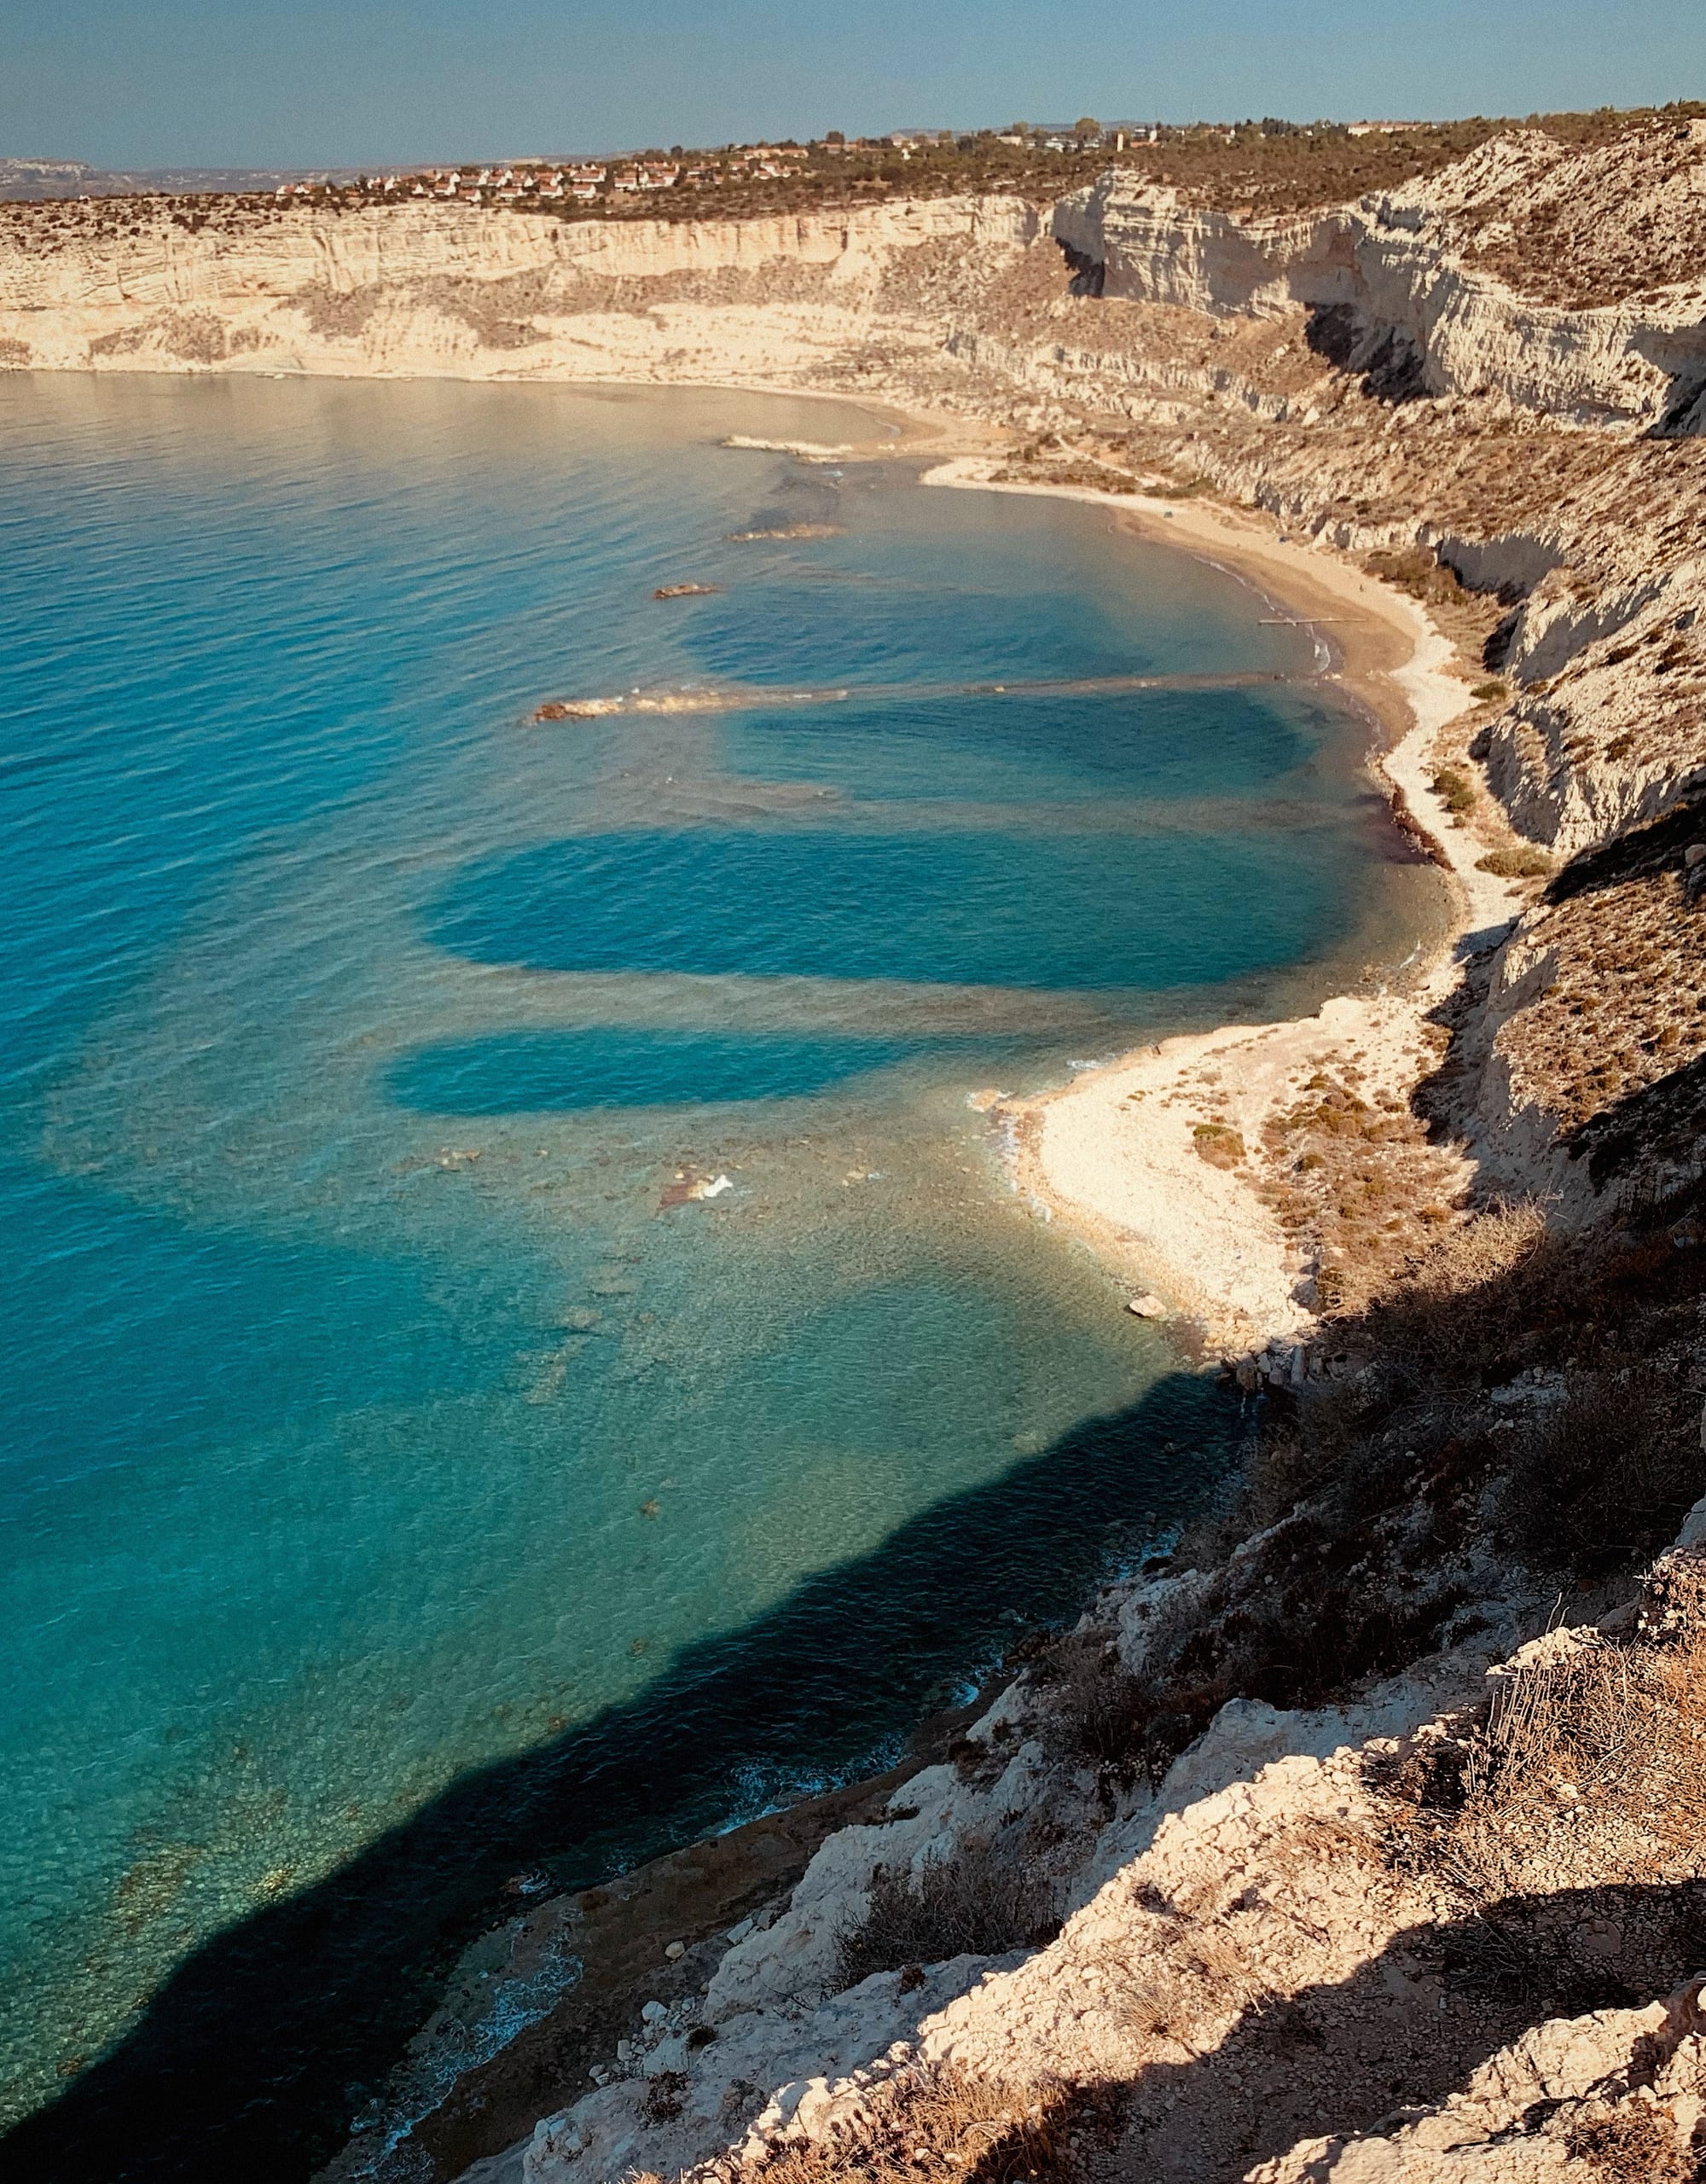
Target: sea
<point x="522" y="1342"/>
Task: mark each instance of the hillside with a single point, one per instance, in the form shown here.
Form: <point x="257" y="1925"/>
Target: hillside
<point x="1361" y="1839"/>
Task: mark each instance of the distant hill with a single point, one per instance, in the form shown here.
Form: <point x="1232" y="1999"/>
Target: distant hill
<point x="27" y="179"/>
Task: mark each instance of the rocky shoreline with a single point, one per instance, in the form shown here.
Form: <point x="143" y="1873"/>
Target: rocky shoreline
<point x="634" y="2008"/>
<point x="1317" y="1853"/>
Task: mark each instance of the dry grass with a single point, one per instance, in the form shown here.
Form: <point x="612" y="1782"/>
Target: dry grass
<point x="1631" y="2144"/>
<point x="1591" y="1760"/>
<point x="940" y="2121"/>
<point x="1166" y="1999"/>
<point x="981" y="1902"/>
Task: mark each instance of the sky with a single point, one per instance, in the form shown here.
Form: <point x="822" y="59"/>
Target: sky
<point x="335" y="83"/>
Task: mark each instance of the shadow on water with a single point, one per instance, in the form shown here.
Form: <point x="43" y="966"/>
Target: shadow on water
<point x="958" y="907"/>
<point x="250" y="2059"/>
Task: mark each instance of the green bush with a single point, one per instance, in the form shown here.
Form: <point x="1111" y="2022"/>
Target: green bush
<point x="1515" y="864"/>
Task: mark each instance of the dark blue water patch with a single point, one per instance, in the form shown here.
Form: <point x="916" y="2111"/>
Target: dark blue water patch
<point x="530" y="1073"/>
<point x="877" y="631"/>
<point x="1162" y="745"/>
<point x="963" y="907"/>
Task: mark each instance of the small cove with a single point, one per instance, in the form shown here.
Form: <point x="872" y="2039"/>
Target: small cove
<point x="394" y="1464"/>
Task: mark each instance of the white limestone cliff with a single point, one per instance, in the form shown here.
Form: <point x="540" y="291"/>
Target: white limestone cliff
<point x="1396" y="295"/>
<point x="434" y="290"/>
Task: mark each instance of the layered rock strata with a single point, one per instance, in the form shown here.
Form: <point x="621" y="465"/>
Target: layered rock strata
<point x="445" y="290"/>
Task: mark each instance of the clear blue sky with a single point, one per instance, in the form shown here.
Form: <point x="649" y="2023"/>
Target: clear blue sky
<point x="205" y="83"/>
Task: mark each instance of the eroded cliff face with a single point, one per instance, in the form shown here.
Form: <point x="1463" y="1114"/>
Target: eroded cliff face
<point x="453" y="290"/>
<point x="1479" y="375"/>
<point x="1398" y="287"/>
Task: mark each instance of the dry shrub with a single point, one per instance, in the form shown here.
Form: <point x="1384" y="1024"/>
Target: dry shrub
<point x="1332" y="1289"/>
<point x="1415" y="570"/>
<point x="1632" y="2144"/>
<point x="1600" y="1481"/>
<point x="1125" y="1727"/>
<point x="938" y="2121"/>
<point x="981" y="1902"/>
<point x="1369" y="1485"/>
<point x="1463" y="1270"/>
<point x="666" y="2095"/>
<point x="1477" y="1287"/>
<point x="1673" y="1606"/>
<point x="1605" y="1477"/>
<point x="1584" y="1745"/>
<point x="1489" y="1248"/>
<point x="1286" y="1468"/>
<point x="1219" y="1144"/>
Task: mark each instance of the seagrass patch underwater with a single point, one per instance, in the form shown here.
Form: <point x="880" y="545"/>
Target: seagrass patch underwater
<point x="499" y="1251"/>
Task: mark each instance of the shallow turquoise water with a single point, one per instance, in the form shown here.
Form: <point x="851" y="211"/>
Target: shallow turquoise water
<point x="372" y="1416"/>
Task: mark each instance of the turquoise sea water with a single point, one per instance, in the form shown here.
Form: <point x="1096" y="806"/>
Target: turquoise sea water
<point x="401" y="1478"/>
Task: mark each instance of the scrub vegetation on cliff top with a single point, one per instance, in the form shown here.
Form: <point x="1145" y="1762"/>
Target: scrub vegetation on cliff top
<point x="1250" y="167"/>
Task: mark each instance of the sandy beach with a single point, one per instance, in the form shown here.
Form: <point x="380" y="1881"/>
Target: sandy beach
<point x="1115" y="1153"/>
